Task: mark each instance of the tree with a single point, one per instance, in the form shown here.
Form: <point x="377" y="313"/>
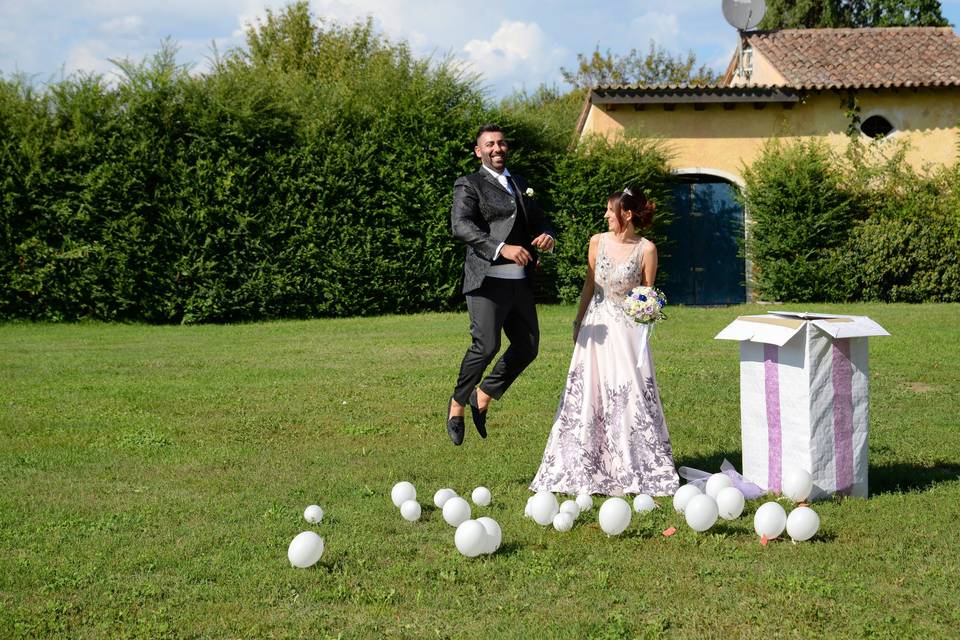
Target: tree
<point x="658" y="66"/>
<point x="899" y="13"/>
<point x="812" y="14"/>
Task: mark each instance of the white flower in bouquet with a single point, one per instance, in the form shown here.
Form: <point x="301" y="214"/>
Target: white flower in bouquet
<point x="644" y="305"/>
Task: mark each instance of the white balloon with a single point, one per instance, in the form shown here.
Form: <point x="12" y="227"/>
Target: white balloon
<point x="563" y="521"/>
<point x="730" y="503"/>
<point x="526" y="509"/>
<point x="401" y="492"/>
<point x="683" y="495"/>
<point x="410" y="510"/>
<point x="797" y="484"/>
<point x="313" y="514"/>
<point x="614" y="516"/>
<point x="802" y="524"/>
<point x="715" y="483"/>
<point x="571" y="507"/>
<point x="769" y="520"/>
<point x="441" y="496"/>
<point x="585" y="502"/>
<point x="481" y="496"/>
<point x="643" y="503"/>
<point x="470" y="538"/>
<point x="494" y="534"/>
<point x="456" y="511"/>
<point x="543" y="507"/>
<point x="701" y="512"/>
<point x="305" y="549"/>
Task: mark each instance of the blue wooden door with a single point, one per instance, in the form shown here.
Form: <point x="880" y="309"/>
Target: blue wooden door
<point x="703" y="265"/>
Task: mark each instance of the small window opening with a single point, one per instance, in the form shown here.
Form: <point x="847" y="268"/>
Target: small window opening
<point x="876" y="127"/>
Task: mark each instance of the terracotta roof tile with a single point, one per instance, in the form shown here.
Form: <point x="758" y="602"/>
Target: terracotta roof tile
<point x="862" y="58"/>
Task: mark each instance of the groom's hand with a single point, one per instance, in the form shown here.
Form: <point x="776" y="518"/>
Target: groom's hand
<point x="544" y="242"/>
<point x="516" y="253"/>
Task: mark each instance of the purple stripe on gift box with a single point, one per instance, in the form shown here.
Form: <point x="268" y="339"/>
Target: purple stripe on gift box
<point x="771" y="383"/>
<point x="843" y="414"/>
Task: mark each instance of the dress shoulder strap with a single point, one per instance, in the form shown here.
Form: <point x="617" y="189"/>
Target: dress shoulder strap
<point x="640" y="257"/>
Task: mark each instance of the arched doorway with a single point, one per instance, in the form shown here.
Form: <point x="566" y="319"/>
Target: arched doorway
<point x="704" y="263"/>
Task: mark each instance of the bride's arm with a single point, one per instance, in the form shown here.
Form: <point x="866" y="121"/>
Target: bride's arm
<point x="587" y="292"/>
<point x="649" y="263"/>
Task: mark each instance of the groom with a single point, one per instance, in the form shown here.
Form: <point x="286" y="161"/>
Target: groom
<point x="494" y="214"/>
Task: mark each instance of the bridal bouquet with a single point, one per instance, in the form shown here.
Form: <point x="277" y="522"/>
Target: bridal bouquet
<point x="644" y="305"/>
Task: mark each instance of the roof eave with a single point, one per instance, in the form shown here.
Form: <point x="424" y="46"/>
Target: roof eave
<point x="675" y="96"/>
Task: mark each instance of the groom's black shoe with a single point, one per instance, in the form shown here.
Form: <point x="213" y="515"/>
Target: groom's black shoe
<point x="455" y="426"/>
<point x="479" y="417"/>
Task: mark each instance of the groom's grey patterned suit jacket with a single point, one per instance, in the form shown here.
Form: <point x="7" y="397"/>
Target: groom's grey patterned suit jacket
<point x="482" y="216"/>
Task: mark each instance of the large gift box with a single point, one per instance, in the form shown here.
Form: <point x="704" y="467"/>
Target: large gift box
<point x="804" y="398"/>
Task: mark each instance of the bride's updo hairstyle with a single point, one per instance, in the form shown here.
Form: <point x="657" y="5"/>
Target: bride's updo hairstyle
<point x="632" y="199"/>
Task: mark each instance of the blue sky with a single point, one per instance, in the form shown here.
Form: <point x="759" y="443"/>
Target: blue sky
<point x="515" y="44"/>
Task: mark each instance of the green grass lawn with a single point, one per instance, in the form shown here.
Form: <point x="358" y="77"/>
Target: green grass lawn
<point x="152" y="478"/>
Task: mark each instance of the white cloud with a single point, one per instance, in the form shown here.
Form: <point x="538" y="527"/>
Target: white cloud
<point x="128" y="27"/>
<point x="514" y="47"/>
<point x="91" y="56"/>
<point x="662" y="28"/>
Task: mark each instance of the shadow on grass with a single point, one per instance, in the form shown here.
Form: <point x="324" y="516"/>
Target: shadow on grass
<point x="893" y="477"/>
<point x="908" y="477"/>
<point x="711" y="462"/>
<point x="508" y="549"/>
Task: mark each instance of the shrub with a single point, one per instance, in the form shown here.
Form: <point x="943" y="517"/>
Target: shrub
<point x="800" y="213"/>
<point x="908" y="250"/>
<point x="862" y="226"/>
<point x="309" y="175"/>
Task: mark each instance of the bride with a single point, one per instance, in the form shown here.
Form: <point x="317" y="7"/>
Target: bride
<point x="609" y="436"/>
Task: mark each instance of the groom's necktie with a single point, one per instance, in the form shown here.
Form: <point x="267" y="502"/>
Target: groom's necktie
<point x="515" y="190"/>
<point x="506" y="183"/>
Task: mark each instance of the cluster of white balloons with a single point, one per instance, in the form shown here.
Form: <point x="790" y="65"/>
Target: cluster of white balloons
<point x="614" y="514"/>
<point x="473" y="537"/>
<point x="404" y="497"/>
<point x="307" y="547"/>
<point x="720" y="499"/>
<point x="701" y="509"/>
<point x="771" y="519"/>
<point x="802" y="523"/>
<point x="456" y="510"/>
<point x="544" y="509"/>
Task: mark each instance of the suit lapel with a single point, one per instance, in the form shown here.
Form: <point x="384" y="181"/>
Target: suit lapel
<point x="489" y="178"/>
<point x="486" y="175"/>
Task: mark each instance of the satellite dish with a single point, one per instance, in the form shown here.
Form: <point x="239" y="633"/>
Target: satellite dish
<point x="744" y="15"/>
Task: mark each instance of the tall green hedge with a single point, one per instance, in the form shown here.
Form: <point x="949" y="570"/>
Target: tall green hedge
<point x="251" y="192"/>
<point x="308" y="174"/>
<point x="863" y="225"/>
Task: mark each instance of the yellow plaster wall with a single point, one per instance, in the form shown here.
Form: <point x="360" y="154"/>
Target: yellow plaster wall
<point x="727" y="140"/>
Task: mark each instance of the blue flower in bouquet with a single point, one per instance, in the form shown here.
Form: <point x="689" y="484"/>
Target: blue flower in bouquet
<point x="644" y="305"/>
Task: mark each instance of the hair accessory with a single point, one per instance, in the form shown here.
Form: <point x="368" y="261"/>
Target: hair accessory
<point x="627" y="191"/>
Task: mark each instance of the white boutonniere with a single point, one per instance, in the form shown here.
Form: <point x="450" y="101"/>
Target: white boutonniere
<point x="528" y="192"/>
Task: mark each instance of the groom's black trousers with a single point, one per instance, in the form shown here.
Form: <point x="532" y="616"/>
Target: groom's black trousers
<point x="506" y="305"/>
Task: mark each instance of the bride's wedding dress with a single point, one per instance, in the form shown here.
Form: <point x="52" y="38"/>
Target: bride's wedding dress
<point x="609" y="436"/>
